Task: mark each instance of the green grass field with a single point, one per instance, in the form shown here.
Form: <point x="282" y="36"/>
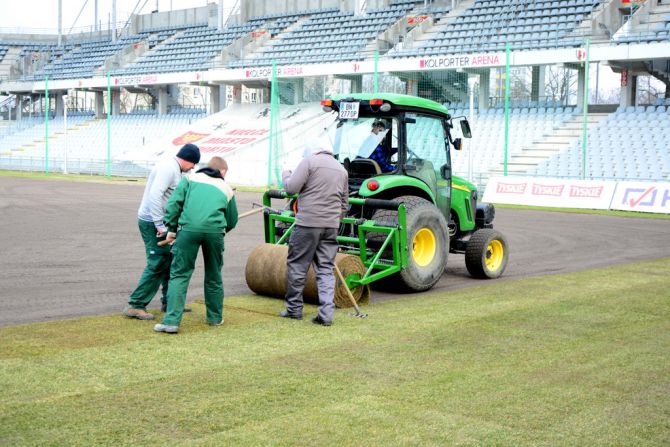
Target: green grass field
<point x="579" y="359"/>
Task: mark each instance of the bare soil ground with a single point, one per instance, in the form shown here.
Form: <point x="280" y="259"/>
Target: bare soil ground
<point x="69" y="249"/>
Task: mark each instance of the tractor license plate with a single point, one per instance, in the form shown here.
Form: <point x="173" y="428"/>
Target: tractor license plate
<point x="349" y="110"/>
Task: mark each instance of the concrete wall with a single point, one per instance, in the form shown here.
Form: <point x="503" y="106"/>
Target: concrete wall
<point x="29" y="38"/>
<point x="174" y="18"/>
<point x="253" y="8"/>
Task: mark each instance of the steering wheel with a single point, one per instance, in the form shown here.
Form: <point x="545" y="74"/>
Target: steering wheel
<point x="413" y="154"/>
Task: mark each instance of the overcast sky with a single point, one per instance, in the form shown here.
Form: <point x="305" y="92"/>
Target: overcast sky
<point x="43" y="14"/>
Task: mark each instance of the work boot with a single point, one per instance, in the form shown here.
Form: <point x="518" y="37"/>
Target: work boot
<point x="166" y="328"/>
<point x="287" y="314"/>
<point x="164" y="308"/>
<point x="321" y="322"/>
<point x="140" y="314"/>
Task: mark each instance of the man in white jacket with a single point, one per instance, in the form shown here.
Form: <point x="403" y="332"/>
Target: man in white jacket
<point x="163" y="179"/>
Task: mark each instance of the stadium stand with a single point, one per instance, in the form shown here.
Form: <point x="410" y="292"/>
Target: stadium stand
<point x="402" y="29"/>
<point x="87" y="136"/>
<point x="631" y="143"/>
<point x="488" y="25"/>
<point x="328" y="35"/>
<point x="526" y="125"/>
<point x="187" y="50"/>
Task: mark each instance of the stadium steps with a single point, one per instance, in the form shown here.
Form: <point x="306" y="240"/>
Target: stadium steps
<point x="434" y="31"/>
<point x="560" y="139"/>
<point x="32" y="145"/>
<point x="652" y="20"/>
<point x="644" y="24"/>
<point x="10" y="58"/>
<point x="148" y="54"/>
<point x="659" y="70"/>
<point x="278" y="39"/>
<point x="586" y="28"/>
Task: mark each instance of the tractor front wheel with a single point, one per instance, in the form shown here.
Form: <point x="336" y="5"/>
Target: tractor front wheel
<point x="486" y="254"/>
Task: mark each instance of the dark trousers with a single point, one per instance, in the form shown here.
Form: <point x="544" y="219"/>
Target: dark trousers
<point x="157" y="270"/>
<point x="306" y="246"/>
<point x="184" y="253"/>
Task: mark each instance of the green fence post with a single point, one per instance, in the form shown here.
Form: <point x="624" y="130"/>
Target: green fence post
<point x="46" y="125"/>
<point x="274" y="121"/>
<point x="376" y="75"/>
<point x="507" y="57"/>
<point x="109" y="123"/>
<point x="586" y="109"/>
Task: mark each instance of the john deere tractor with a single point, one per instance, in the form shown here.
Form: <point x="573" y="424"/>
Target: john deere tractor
<point x="407" y="212"/>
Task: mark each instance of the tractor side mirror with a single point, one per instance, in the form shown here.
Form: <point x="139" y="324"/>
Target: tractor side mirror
<point x="465" y="128"/>
<point x="458" y="144"/>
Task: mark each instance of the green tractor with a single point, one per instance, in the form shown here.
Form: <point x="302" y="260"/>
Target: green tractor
<point x="407" y="212"/>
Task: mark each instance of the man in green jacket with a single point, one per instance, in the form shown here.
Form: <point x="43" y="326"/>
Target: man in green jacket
<point x="203" y="207"/>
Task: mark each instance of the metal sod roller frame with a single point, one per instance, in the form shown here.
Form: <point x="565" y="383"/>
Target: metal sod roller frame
<point x="359" y="261"/>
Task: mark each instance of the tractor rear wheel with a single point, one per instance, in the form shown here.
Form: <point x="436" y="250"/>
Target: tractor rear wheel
<point x="486" y="254"/>
<point x="427" y="240"/>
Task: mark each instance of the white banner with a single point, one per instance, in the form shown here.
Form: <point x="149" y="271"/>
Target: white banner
<point x="550" y="192"/>
<point x="642" y="196"/>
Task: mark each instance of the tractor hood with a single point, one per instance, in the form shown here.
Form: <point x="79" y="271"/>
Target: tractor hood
<point x="462" y="184"/>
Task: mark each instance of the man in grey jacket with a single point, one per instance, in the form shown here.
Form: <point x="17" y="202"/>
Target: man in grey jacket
<point x="162" y="181"/>
<point x="322" y="185"/>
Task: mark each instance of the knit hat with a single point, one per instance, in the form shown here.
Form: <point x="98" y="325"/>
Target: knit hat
<point x="189" y="152"/>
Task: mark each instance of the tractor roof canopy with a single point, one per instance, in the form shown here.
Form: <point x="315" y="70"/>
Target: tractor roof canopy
<point x="399" y="100"/>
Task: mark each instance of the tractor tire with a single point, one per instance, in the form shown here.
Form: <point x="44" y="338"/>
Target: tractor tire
<point x="428" y="245"/>
<point x="486" y="254"/>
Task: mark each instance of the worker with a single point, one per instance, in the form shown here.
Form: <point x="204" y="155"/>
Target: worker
<point x="203" y="207"/>
<point x="323" y="191"/>
<point x="164" y="178"/>
<point x="383" y="152"/>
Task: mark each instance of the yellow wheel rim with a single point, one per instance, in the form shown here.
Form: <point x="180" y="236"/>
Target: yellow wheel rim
<point x="494" y="255"/>
<point x="424" y="247"/>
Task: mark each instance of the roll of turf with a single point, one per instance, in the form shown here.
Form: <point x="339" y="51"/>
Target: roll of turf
<point x="265" y="274"/>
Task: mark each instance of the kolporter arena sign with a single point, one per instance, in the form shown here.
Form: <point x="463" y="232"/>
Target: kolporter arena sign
<point x="475" y="60"/>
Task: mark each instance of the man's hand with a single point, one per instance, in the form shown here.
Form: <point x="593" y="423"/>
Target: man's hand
<point x="170" y="238"/>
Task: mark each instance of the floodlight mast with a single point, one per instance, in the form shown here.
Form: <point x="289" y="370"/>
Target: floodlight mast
<point x="220" y="14"/>
<point x="60" y="23"/>
<point x="113" y="30"/>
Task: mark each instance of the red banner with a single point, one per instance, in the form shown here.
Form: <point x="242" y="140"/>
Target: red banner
<point x="415" y="20"/>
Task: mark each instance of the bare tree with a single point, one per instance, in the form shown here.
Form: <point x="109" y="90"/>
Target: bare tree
<point x="560" y="83"/>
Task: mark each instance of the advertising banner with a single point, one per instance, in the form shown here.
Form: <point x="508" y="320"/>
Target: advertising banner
<point x="642" y="196"/>
<point x="563" y="193"/>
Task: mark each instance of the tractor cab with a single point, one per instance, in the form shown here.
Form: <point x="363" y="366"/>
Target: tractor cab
<point x="388" y="142"/>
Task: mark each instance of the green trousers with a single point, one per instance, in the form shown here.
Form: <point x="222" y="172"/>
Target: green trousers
<point x="157" y="270"/>
<point x="184" y="253"/>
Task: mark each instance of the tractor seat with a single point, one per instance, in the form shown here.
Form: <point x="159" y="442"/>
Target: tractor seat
<point x="363" y="167"/>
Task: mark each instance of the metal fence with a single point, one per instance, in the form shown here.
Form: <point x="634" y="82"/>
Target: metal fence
<point x="77" y="166"/>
